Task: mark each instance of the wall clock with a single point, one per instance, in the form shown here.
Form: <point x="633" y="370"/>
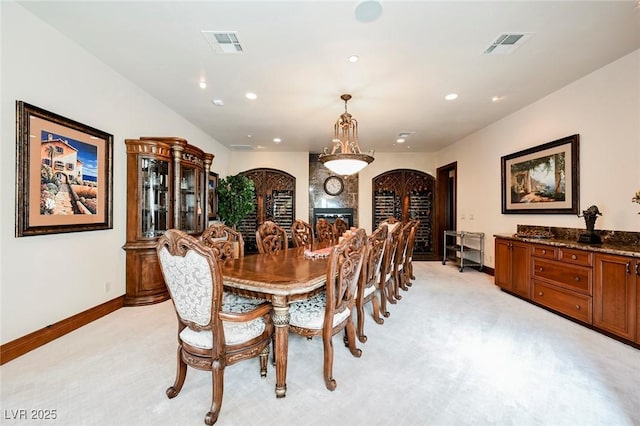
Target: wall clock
<point x="333" y="185"/>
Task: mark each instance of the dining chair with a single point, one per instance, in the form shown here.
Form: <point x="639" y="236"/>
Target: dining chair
<point x="226" y="242"/>
<point x="330" y="312"/>
<point x="339" y="228"/>
<point x="400" y="260"/>
<point x="387" y="277"/>
<point x="271" y="238"/>
<point x="210" y="336"/>
<point x="408" y="268"/>
<point x="301" y="233"/>
<point x="325" y="232"/>
<point x="369" y="285"/>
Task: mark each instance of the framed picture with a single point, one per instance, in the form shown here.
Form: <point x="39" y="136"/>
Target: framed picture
<point x="542" y="179"/>
<point x="212" y="196"/>
<point x="64" y="174"/>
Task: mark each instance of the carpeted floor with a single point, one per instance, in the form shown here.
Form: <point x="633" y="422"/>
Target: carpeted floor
<point x="455" y="351"/>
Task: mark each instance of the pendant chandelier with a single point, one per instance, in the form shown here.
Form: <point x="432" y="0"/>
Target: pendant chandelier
<point x="345" y="157"/>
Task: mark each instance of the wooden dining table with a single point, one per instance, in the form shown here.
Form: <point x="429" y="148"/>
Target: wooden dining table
<point x="281" y="278"/>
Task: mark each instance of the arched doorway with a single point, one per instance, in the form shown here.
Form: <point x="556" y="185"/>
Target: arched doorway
<point x="407" y="194"/>
<point x="275" y="200"/>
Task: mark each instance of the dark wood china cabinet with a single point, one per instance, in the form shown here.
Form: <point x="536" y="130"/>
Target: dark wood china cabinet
<point x="166" y="188"/>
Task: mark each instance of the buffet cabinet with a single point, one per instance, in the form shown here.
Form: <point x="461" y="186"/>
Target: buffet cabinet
<point x="599" y="289"/>
<point x="166" y="188"/>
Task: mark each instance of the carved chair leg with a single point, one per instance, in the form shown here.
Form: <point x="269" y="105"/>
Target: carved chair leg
<point x="383" y="300"/>
<point x="361" y="335"/>
<point x="351" y="339"/>
<point x="327" y="343"/>
<point x="264" y="359"/>
<point x="396" y="288"/>
<point x="181" y="374"/>
<point x="376" y="310"/>
<point x="217" y="383"/>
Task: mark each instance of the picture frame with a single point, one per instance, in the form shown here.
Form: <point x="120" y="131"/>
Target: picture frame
<point x="212" y="196"/>
<point x="64" y="174"/>
<point x="543" y="179"/>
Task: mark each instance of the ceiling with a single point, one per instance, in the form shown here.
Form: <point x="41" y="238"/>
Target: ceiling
<point x="295" y="54"/>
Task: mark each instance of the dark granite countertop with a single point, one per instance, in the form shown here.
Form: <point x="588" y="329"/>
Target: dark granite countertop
<point x="613" y="242"/>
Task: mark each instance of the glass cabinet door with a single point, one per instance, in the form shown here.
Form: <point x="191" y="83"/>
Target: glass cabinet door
<point x="188" y="199"/>
<point x="155" y="212"/>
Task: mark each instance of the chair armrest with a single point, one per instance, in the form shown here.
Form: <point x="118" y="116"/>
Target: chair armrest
<point x="260" y="310"/>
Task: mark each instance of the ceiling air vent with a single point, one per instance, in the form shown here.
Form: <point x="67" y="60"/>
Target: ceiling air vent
<point x="241" y="147"/>
<point x="223" y="42"/>
<point x="506" y="43"/>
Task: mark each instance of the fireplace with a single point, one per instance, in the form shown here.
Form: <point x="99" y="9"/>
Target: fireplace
<point x="332" y="214"/>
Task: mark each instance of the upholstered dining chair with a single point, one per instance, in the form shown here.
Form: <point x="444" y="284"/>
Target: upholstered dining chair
<point x="339" y="228"/>
<point x="330" y="312"/>
<point x="271" y="238"/>
<point x="210" y="334"/>
<point x="301" y="233"/>
<point x="369" y="290"/>
<point x="325" y="232"/>
<point x="222" y="239"/>
<point x="387" y="277"/>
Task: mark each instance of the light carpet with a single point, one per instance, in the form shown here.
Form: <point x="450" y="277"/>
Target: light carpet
<point x="455" y="351"/>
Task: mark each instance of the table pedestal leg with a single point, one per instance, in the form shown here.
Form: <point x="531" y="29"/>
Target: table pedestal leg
<point x="281" y="321"/>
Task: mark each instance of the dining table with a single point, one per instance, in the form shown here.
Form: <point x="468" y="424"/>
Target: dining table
<point x="282" y="277"/>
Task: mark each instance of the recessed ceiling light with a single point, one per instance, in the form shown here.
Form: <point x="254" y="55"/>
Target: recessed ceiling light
<point x="259" y="147"/>
<point x="277" y="140"/>
<point x="497" y="98"/>
<point x="203" y="84"/>
<point x="368" y="11"/>
<point x="353" y="58"/>
<point x="217" y="102"/>
<point x="451" y="96"/>
<point x="251" y="95"/>
<point x="249" y="136"/>
<point x="400" y="140"/>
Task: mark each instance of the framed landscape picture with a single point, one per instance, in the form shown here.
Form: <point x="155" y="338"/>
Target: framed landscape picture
<point x="64" y="174"/>
<point x="542" y="179"/>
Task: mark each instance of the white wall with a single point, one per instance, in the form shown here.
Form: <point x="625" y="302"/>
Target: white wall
<point x="604" y="108"/>
<point x="44" y="279"/>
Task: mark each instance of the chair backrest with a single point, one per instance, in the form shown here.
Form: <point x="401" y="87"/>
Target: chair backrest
<point x="271" y="238"/>
<point x="339" y="227"/>
<point x="343" y="273"/>
<point x="301" y="233"/>
<point x="389" y="255"/>
<point x="403" y="241"/>
<point x="412" y="239"/>
<point x="325" y="231"/>
<point x="221" y="239"/>
<point x="192" y="275"/>
<point x="377" y="242"/>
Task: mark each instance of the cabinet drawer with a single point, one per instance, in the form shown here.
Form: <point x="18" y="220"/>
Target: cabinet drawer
<point x="576" y="257"/>
<point x="548" y="252"/>
<point x="574" y="305"/>
<point x="572" y="277"/>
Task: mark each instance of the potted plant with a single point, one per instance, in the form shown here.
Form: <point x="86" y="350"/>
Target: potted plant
<point x="235" y="199"/>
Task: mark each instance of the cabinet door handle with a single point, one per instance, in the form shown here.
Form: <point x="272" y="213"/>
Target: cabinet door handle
<point x="574" y="257"/>
<point x="540" y="269"/>
<point x="576" y="278"/>
<point x="629" y="268"/>
<point x="638" y="269"/>
<point x="578" y="307"/>
<point x="540" y="293"/>
<point x="544" y="252"/>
